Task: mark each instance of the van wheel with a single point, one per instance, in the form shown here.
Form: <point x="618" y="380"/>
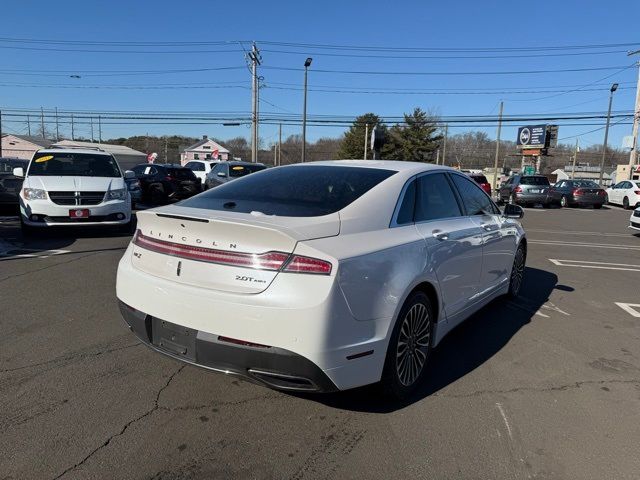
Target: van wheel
<point x="564" y="201"/>
<point x="409" y="347"/>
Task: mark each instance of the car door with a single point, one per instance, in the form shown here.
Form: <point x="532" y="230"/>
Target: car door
<point x="616" y="193"/>
<point x="454" y="243"/>
<point x="498" y="235"/>
<point x="559" y="189"/>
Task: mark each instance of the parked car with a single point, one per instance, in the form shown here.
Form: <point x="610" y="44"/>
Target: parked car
<point x="323" y="276"/>
<point x="135" y="189"/>
<point x="482" y="181"/>
<point x="10" y="184"/>
<point x="577" y="193"/>
<point x="224" y="172"/>
<point x="201" y="168"/>
<point x="625" y="193"/>
<point x="163" y="182"/>
<point x="525" y="190"/>
<point x="73" y="187"/>
<point x="634" y="221"/>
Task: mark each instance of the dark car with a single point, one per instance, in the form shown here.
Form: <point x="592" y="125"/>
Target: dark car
<point x="224" y="172"/>
<point x="525" y="190"/>
<point x="581" y="193"/>
<point x="10" y="185"/>
<point x="161" y="183"/>
<point x="482" y="181"/>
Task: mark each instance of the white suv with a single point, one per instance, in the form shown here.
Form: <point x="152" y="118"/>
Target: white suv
<point x="73" y="187"/>
<point x="201" y="168"/>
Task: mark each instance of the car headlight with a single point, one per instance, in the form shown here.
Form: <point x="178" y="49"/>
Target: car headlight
<point x="34" y="194"/>
<point x="119" y="194"/>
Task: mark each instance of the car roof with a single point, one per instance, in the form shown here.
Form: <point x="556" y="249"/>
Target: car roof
<point x="394" y="165"/>
<point x="92" y="151"/>
<point x="237" y="162"/>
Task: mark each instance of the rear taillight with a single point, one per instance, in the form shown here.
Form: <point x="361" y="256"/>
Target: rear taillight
<point x="273" y="261"/>
<point x="637" y="192"/>
<point x="602" y="193"/>
<point x="300" y="264"/>
<point x="517" y="190"/>
<point x="577" y="191"/>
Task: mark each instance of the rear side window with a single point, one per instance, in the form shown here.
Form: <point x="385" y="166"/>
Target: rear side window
<point x="534" y="181"/>
<point x="435" y="198"/>
<point x="195" y="166"/>
<point x="480" y="178"/>
<point x="405" y="213"/>
<point x="181" y="173"/>
<point x="476" y="202"/>
<point x="293" y="191"/>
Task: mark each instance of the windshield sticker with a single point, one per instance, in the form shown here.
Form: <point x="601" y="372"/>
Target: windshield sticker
<point x="46" y="158"/>
<point x="237" y="168"/>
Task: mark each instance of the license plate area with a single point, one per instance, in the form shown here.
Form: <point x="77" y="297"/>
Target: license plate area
<point x="79" y="213"/>
<point x="175" y="339"/>
<point x="534" y="190"/>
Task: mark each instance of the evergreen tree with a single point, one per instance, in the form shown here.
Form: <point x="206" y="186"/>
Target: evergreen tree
<point x="352" y="145"/>
<point x="415" y="141"/>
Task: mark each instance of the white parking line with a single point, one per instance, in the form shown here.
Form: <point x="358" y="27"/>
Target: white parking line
<point x="599" y="265"/>
<point x="584" y="244"/>
<point x="630" y="308"/>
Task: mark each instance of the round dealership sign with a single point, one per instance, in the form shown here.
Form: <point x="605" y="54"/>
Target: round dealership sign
<point x="525" y="136"/>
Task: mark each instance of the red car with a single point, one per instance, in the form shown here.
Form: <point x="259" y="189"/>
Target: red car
<point x="482" y="181"/>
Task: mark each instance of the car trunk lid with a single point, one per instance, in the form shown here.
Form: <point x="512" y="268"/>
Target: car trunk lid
<point x="225" y="251"/>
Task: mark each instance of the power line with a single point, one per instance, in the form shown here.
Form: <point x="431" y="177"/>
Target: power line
<point x="112" y="73"/>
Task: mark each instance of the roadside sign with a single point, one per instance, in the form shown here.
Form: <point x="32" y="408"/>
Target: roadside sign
<point x="529" y="170"/>
<point x="532" y="136"/>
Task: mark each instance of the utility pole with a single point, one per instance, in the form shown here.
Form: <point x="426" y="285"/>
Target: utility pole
<point x="437" y="156"/>
<point x="633" y="156"/>
<point x="444" y="147"/>
<point x="29" y="125"/>
<point x="366" y="138"/>
<point x="99" y="129"/>
<point x="275" y="154"/>
<point x="307" y="64"/>
<point x="166" y="157"/>
<point x="280" y="144"/>
<point x="57" y="130"/>
<point x="91" y="119"/>
<point x="614" y="87"/>
<point x="255" y="58"/>
<point x="575" y="157"/>
<point x="0" y="133"/>
<point x="495" y="161"/>
<point x="72" y="128"/>
<point x="42" y="122"/>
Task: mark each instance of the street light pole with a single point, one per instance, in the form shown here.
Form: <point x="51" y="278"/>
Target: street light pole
<point x="613" y="88"/>
<point x="633" y="156"/>
<point x="307" y="64"/>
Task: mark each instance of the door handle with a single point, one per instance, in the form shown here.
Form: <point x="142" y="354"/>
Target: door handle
<point x="440" y="235"/>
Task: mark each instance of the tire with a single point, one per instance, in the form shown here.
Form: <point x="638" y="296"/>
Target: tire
<point x="517" y="272"/>
<point x="157" y="196"/>
<point x="597" y="206"/>
<point x="513" y="200"/>
<point x="606" y="199"/>
<point x="625" y="203"/>
<point x="404" y="368"/>
<point x="564" y="201"/>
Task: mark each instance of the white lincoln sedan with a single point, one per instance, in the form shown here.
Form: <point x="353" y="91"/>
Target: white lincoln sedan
<point x="321" y="276"/>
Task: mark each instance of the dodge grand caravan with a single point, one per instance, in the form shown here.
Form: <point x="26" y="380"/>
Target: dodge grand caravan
<point x="73" y="187"/>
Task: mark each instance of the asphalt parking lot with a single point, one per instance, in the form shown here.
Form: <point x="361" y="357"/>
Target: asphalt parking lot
<point x="544" y="387"/>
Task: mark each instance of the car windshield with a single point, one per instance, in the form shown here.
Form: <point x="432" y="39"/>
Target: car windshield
<point x="294" y="191"/>
<point x="242" y="170"/>
<point x="73" y="165"/>
<point x="534" y="181"/>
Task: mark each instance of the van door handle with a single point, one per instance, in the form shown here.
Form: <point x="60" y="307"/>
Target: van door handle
<point x="440" y="235"/>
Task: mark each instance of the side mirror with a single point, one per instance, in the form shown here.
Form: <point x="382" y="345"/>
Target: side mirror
<point x="222" y="174"/>
<point x="129" y="175"/>
<point x="18" y="172"/>
<point x="513" y="211"/>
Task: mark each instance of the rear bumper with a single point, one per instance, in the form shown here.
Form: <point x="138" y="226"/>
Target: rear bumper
<point x="582" y="200"/>
<point x="532" y="198"/>
<point x="268" y="366"/>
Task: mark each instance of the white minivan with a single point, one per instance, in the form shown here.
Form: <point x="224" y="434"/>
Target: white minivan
<point x="73" y="186"/>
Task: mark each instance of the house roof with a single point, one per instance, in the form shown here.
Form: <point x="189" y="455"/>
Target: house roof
<point x="204" y="141"/>
<point x="32" y="139"/>
<point x="107" y="147"/>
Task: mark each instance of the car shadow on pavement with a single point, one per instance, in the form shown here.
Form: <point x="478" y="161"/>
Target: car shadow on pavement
<point x="463" y="350"/>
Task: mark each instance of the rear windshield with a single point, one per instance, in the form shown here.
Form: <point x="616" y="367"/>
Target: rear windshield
<point x="292" y="191"/>
<point x="534" y="181"/>
<point x="479" y="178"/>
<point x="74" y="165"/>
<point x="181" y="173"/>
<point x="242" y="170"/>
<point x="585" y="184"/>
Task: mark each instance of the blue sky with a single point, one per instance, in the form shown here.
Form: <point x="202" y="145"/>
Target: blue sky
<point x="462" y="24"/>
